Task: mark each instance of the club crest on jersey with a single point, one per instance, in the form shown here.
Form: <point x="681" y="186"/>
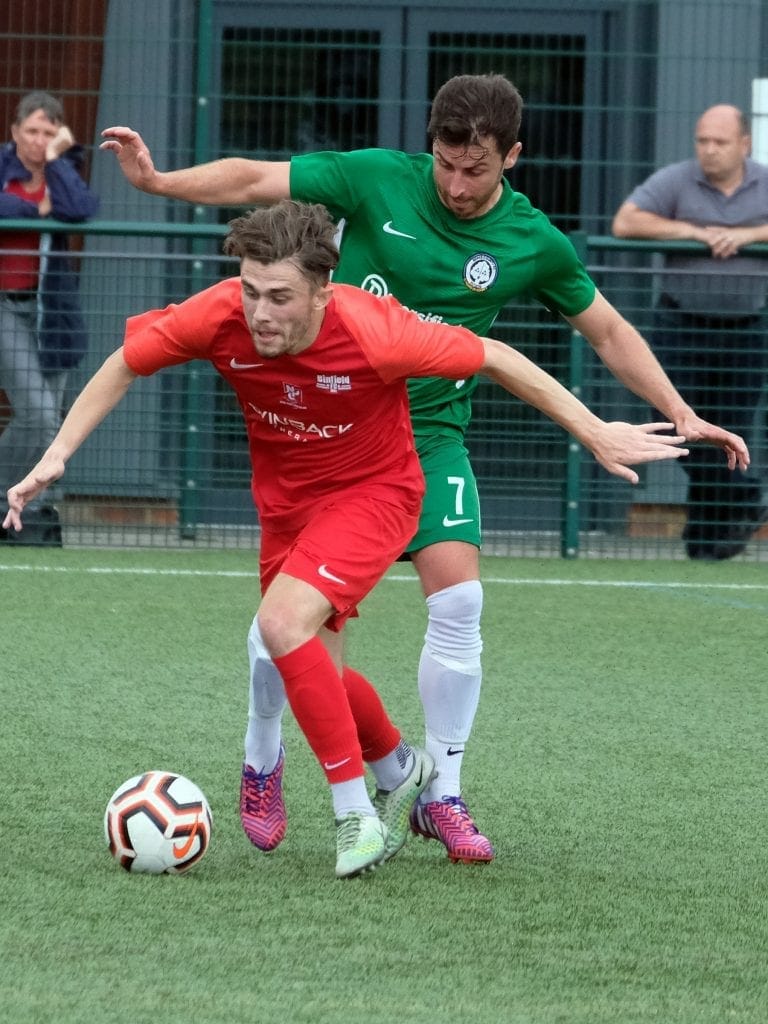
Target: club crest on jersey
<point x="480" y="272"/>
<point x="293" y="396"/>
<point x="334" y="382"/>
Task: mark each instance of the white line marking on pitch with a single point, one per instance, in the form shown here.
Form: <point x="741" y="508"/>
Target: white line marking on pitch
<point x="396" y="578"/>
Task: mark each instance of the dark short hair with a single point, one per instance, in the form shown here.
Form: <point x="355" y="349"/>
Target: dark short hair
<point x="468" y="107"/>
<point x="288" y="230"/>
<point x="33" y="101"/>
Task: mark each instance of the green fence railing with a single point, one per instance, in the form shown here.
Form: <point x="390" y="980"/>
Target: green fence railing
<point x="200" y="248"/>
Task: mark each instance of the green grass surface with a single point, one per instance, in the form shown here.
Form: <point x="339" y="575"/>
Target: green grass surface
<point x="618" y="763"/>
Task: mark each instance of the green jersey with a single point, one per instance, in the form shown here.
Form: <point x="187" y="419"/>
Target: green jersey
<point x="399" y="239"/>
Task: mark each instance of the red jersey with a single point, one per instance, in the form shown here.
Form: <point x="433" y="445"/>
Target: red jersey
<point x="331" y="418"/>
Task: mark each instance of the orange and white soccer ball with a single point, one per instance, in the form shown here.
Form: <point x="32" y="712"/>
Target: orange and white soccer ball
<point x="158" y="822"/>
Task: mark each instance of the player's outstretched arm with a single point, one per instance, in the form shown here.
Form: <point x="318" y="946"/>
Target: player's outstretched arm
<point x="230" y="182"/>
<point x="616" y="446"/>
<point x="99" y="396"/>
<point x="629" y="357"/>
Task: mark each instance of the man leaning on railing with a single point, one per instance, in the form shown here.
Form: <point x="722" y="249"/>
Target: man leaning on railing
<point x="710" y="322"/>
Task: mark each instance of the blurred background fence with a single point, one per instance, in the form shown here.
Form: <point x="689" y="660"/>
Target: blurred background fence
<point x="612" y="91"/>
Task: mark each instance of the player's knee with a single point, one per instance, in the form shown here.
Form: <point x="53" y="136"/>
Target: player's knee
<point x="282" y="632"/>
<point x="257" y="651"/>
<point x="453" y="629"/>
<point x="271" y="632"/>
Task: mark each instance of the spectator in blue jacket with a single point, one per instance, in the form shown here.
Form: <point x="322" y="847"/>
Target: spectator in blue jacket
<point x="42" y="333"/>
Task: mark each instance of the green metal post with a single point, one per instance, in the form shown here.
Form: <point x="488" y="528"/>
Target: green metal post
<point x="571" y="519"/>
<point x="189" y="501"/>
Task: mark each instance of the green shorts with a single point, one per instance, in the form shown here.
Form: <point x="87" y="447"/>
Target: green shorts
<point x="451" y="509"/>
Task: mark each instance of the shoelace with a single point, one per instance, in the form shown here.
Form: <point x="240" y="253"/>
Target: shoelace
<point x="349" y="830"/>
<point x="262" y="783"/>
<point x="461" y="811"/>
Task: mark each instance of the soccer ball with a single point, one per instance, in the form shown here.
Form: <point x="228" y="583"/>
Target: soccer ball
<point x="158" y="822"/>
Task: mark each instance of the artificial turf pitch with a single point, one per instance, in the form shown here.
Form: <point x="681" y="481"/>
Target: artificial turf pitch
<point x="618" y="763"/>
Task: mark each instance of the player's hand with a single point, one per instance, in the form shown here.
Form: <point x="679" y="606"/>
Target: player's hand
<point x="132" y="154"/>
<point x="620" y="445"/>
<point x="48" y="469"/>
<point x="694" y="428"/>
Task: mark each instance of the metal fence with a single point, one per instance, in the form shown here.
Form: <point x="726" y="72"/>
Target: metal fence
<point x="170" y="466"/>
<point x="612" y="89"/>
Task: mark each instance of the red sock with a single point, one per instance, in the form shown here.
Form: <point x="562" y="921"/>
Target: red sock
<point x="319" y="702"/>
<point x="375" y="730"/>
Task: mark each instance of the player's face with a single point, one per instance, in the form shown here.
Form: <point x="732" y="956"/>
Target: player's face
<point x="468" y="181"/>
<point x="721" y="148"/>
<point x="32" y="136"/>
<point x="283" y="310"/>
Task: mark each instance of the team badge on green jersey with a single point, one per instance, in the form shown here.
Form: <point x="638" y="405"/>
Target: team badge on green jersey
<point x="480" y="272"/>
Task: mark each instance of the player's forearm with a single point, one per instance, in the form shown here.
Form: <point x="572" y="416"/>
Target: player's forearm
<point x="229" y="182"/>
<point x="97" y="399"/>
<point x="629" y="357"/>
<point x="631" y="360"/>
<point x="528" y="382"/>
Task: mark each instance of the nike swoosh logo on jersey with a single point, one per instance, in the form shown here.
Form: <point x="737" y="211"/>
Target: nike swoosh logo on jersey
<point x="454" y="522"/>
<point x="325" y="572"/>
<point x="243" y="366"/>
<point x="389" y="230"/>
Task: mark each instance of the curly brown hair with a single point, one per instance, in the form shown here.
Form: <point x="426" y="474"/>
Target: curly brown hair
<point x="302" y="232"/>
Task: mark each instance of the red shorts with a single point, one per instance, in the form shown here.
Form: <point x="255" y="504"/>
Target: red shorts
<point x="343" y="551"/>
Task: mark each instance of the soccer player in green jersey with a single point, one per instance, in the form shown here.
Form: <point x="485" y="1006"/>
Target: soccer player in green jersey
<point x="446" y="235"/>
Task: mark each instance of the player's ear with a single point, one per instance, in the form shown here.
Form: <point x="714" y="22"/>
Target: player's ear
<point x="322" y="297"/>
<point x="512" y="156"/>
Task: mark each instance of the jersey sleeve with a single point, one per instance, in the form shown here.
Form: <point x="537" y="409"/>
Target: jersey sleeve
<point x="398" y="344"/>
<point x="562" y="283"/>
<point x="337" y="180"/>
<point x="179" y="333"/>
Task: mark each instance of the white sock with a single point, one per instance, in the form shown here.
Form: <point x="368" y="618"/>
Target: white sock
<point x="266" y="702"/>
<point x="351" y="796"/>
<point x="391" y="770"/>
<point x="450" y="675"/>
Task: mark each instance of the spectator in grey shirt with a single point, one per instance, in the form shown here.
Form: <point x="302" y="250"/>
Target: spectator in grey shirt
<point x="710" y="322"/>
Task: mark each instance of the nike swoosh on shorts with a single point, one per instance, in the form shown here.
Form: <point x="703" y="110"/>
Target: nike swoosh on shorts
<point x="455" y="522"/>
<point x="324" y="571"/>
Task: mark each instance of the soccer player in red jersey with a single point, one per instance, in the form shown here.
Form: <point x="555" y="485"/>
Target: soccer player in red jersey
<point x="319" y="371"/>
<point x="446" y="234"/>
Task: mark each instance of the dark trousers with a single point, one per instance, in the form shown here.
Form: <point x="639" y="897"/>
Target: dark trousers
<point x="718" y="364"/>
